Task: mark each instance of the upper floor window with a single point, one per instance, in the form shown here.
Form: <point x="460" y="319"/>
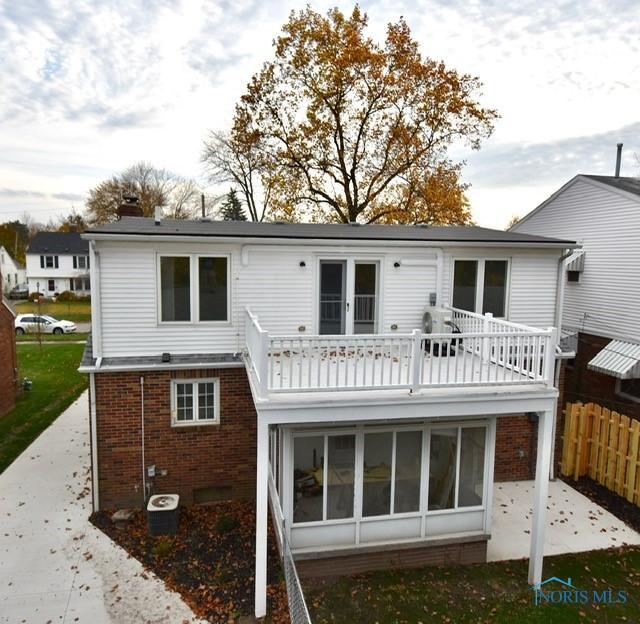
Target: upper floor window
<point x="191" y="284"/>
<point x="481" y="286"/>
<point x="195" y="401"/>
<point x="48" y="262"/>
<point x="80" y="262"/>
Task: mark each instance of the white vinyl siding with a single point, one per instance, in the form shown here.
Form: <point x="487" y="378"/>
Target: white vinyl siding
<point x="280" y="285"/>
<point x="606" y="300"/>
<point x="531" y="283"/>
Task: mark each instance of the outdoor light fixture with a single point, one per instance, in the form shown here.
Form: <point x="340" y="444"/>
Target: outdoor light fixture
<point x="303" y="263"/>
<point x="166" y="357"/>
<point x="396" y="264"/>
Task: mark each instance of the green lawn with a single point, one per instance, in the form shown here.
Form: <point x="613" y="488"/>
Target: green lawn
<point x="56" y="384"/>
<point x="494" y="592"/>
<point x="77" y="311"/>
<point x="52" y="337"/>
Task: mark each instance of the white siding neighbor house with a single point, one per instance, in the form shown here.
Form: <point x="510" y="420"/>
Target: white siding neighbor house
<point x="12" y="272"/>
<point x="601" y="285"/>
<point x="57" y="262"/>
<point x="378" y="362"/>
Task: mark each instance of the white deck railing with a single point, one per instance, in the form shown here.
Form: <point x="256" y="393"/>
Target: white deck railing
<point x="487" y="351"/>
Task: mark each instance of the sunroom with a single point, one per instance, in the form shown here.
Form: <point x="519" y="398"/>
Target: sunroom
<point x="370" y="484"/>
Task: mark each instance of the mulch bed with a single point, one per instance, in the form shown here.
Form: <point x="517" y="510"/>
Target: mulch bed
<point x="620" y="507"/>
<point x="210" y="561"/>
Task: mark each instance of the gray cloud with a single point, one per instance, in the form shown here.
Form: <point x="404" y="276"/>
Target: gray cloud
<point x="515" y="164"/>
<point x="19" y="193"/>
<point x="68" y="196"/>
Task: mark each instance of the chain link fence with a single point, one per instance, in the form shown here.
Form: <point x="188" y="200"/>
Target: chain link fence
<point x="297" y="605"/>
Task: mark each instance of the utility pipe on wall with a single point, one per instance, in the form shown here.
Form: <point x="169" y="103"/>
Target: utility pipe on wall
<point x="144" y="469"/>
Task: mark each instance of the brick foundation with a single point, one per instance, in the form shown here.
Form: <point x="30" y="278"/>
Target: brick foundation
<point x="202" y="461"/>
<point x="8" y="359"/>
<point x="389" y="558"/>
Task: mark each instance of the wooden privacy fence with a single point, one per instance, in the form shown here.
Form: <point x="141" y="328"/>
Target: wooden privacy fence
<point x="605" y="446"/>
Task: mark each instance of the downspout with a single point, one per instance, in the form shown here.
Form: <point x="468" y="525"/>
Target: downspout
<point x="96" y="310"/>
<point x="93" y="432"/>
<point x="563" y="263"/>
<point x="144" y="478"/>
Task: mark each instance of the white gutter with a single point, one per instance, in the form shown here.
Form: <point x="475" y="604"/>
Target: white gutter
<point x="93" y="422"/>
<point x="344" y="242"/>
<point x="155" y="367"/>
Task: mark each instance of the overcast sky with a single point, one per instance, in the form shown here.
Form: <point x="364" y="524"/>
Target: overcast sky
<point x="87" y="87"/>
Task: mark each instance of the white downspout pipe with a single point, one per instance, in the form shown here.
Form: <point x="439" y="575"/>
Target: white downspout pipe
<point x="96" y="310"/>
<point x="95" y="494"/>
<point x="144" y="469"/>
<point x="563" y="263"/>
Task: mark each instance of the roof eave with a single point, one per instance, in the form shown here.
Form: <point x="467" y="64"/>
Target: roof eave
<point x="116" y="236"/>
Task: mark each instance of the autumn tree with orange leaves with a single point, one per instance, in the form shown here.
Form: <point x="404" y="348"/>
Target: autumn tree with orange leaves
<point x="340" y="129"/>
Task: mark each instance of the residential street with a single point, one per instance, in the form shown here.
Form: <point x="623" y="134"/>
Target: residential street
<point x="54" y="565"/>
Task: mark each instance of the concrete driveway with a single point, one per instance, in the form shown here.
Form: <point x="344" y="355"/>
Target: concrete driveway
<point x="54" y="565"/>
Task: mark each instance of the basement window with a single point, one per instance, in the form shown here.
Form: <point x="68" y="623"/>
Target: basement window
<point x="195" y="402"/>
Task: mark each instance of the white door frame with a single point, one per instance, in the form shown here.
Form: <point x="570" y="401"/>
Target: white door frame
<point x="350" y="262"/>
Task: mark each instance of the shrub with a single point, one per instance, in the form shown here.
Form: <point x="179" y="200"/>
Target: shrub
<point x="226" y="523"/>
<point x="164" y="546"/>
<point x="67" y="295"/>
<point x="34" y="296"/>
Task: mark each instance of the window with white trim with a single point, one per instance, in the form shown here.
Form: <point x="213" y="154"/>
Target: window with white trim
<point x="481" y="286"/>
<point x="194" y="288"/>
<point x="195" y="401"/>
<point x="80" y="262"/>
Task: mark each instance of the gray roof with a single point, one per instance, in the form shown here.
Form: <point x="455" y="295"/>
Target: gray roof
<point x="138" y="226"/>
<point x="631" y="185"/>
<point x="58" y="243"/>
<point x="154" y="362"/>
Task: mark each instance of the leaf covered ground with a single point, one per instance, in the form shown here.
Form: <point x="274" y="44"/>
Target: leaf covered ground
<point x="492" y="593"/>
<point x="210" y="561"/>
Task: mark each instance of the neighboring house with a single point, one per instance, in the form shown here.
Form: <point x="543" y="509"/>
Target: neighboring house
<point x="601" y="317"/>
<point x="230" y="359"/>
<point x="8" y="357"/>
<point x="57" y="262"/>
<point x="13" y="273"/>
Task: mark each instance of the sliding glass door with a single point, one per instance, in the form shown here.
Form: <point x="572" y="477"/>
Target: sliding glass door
<point x="348" y="296"/>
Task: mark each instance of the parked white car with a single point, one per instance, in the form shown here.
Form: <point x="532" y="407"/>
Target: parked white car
<point x="34" y="323"/>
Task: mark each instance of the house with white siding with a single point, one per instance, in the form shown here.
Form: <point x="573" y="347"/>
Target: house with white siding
<point x="12" y="273"/>
<point x="356" y="379"/>
<point x="58" y="262"/>
<point x="601" y="317"/>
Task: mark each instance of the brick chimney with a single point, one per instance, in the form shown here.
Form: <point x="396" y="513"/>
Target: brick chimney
<point x="130" y="207"/>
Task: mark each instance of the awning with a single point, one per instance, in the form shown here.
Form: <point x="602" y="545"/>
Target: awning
<point x="619" y="359"/>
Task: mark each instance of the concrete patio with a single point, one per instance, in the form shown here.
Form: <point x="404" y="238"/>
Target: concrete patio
<point x="54" y="565"/>
<point x="574" y="523"/>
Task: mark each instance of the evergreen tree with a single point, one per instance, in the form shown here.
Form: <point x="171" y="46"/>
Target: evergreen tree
<point x="232" y="209"/>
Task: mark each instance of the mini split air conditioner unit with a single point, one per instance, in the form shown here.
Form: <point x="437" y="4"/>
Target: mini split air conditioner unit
<point x="438" y="320"/>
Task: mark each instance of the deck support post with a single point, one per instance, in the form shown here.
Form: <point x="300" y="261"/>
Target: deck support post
<point x="541" y="494"/>
<point x="262" y="489"/>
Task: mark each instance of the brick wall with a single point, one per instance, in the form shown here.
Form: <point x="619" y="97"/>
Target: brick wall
<point x="197" y="457"/>
<point x="387" y="558"/>
<point x="516" y="445"/>
<point x="8" y="360"/>
<point x="589" y="386"/>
